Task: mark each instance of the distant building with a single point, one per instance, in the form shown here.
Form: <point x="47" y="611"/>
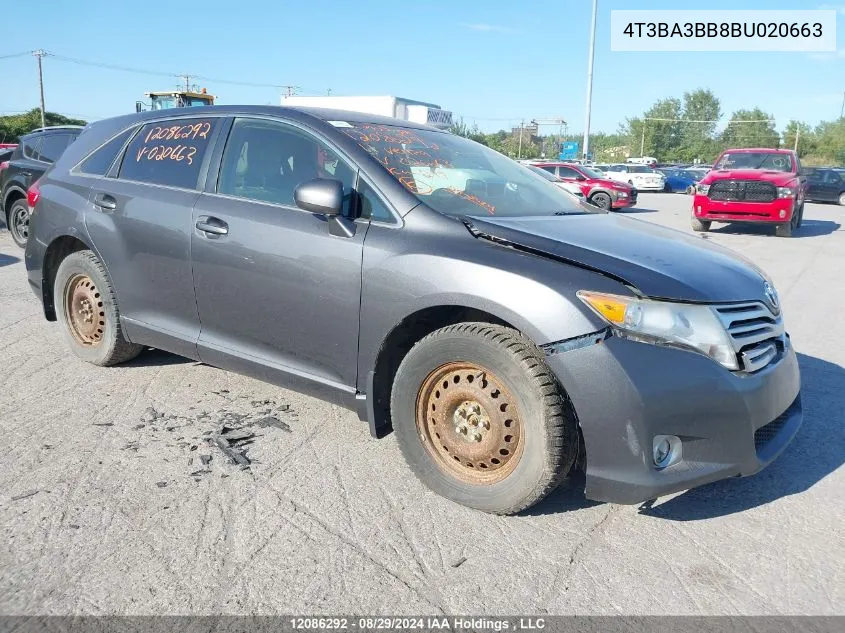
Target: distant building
<point x="395" y="107"/>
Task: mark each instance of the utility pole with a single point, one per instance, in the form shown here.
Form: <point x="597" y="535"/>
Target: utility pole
<point x="592" y="55"/>
<point x="842" y="109"/>
<point x="187" y="79"/>
<point x="290" y="90"/>
<point x="797" y="134"/>
<point x="39" y="54"/>
<point x="642" y="141"/>
<point x="521" y="126"/>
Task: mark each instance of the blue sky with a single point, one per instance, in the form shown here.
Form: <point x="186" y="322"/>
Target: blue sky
<point x="493" y="62"/>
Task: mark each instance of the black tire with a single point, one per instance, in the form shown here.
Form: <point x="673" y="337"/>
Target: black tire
<point x="788" y="228"/>
<point x="545" y="422"/>
<point x="842" y="198"/>
<point x="601" y="200"/>
<point x="667" y="188"/>
<point x="110" y="346"/>
<point x="18" y="222"/>
<point x="800" y="216"/>
<point x="699" y="226"/>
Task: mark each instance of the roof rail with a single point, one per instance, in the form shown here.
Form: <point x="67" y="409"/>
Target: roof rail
<point x="57" y="127"/>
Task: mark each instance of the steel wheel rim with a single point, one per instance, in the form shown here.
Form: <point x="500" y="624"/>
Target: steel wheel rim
<point x="84" y="311"/>
<point x="20" y="222"/>
<point x="602" y="201"/>
<point x="469" y="423"/>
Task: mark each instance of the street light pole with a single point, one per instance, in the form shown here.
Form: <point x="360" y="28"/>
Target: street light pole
<point x="591" y="56"/>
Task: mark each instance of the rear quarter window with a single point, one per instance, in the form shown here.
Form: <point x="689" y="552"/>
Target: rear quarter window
<point x="100" y="161"/>
<point x="169" y="153"/>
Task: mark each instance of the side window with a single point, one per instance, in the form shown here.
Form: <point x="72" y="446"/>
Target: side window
<point x="266" y="160"/>
<point x="567" y="172"/>
<point x="168" y="152"/>
<point x="99" y="163"/>
<point x="548" y="168"/>
<point x="371" y="206"/>
<point x="30" y="147"/>
<point x="52" y="146"/>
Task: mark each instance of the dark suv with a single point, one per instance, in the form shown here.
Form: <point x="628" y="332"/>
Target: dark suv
<point x="430" y="284"/>
<point x="30" y="159"/>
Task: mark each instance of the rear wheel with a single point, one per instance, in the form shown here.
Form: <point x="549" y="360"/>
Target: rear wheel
<point x="699" y="226"/>
<point x="481" y="419"/>
<point x="842" y="198"/>
<point x="87" y="309"/>
<point x="19" y="222"/>
<point x="601" y="200"/>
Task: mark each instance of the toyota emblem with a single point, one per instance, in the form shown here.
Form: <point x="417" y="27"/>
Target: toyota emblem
<point x="771" y="295"/>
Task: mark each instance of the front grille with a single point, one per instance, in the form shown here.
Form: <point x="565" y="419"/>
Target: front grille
<point x="766" y="434"/>
<point x="756" y="333"/>
<point x="743" y="191"/>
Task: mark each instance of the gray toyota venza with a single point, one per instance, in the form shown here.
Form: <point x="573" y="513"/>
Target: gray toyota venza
<point x="507" y="333"/>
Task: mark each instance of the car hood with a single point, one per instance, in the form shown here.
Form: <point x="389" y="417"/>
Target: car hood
<point x="778" y="178"/>
<point x="610" y="184"/>
<point x="658" y="262"/>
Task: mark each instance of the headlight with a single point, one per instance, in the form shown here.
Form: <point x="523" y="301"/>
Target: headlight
<point x="702" y="189"/>
<point x="621" y="194"/>
<point x="693" y="327"/>
<point x="786" y="192"/>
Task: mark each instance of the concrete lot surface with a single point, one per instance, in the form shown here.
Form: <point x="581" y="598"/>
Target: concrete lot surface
<point x="108" y="507"/>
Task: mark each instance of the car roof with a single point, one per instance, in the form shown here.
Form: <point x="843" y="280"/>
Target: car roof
<point x="291" y="112"/>
<point x="744" y="150"/>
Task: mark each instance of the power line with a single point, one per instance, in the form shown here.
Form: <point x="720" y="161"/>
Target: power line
<point x="15" y="55"/>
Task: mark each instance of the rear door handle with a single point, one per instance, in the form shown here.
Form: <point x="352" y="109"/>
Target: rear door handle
<point x="105" y="202"/>
<point x="212" y="226"/>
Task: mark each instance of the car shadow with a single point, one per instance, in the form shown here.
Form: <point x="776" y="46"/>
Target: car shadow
<point x="6" y="260"/>
<point x="809" y="228"/>
<point x="151" y="357"/>
<point x="817" y="451"/>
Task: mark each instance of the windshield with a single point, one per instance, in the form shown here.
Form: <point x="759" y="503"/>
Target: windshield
<point x="755" y="160"/>
<point x="590" y="172"/>
<point x="456" y="176"/>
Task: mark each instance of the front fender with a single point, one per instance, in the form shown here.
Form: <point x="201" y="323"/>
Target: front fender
<point x="405" y="273"/>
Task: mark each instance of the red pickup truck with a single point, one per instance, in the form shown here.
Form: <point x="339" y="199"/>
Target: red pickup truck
<point x="752" y="185"/>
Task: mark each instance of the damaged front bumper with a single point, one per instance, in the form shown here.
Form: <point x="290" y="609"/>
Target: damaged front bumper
<point x="626" y="393"/>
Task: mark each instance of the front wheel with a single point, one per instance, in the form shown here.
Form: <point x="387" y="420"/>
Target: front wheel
<point x="842" y="199"/>
<point x="601" y="200"/>
<point x="19" y="222"/>
<point x="87" y="309"/>
<point x="481" y="419"/>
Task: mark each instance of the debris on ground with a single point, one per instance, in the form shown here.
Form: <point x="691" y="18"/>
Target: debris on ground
<point x="25" y="495"/>
<point x="205" y="459"/>
<point x="273" y="421"/>
<point x="103" y="424"/>
<point x="459" y="562"/>
<point x="161" y="484"/>
<point x="201" y="471"/>
<point x="151" y="415"/>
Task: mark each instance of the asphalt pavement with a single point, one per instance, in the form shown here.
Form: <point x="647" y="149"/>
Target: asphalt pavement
<point x="116" y="497"/>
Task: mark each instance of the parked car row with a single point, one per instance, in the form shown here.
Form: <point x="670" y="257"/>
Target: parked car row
<point x="601" y="191"/>
<point x="826" y="184"/>
<point x="27" y="163"/>
<point x="643" y="177"/>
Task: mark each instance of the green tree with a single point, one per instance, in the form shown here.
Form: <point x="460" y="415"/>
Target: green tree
<point x="750" y="128"/>
<point x="658" y="131"/>
<point x="807" y="143"/>
<point x="14" y="126"/>
<point x="701" y="112"/>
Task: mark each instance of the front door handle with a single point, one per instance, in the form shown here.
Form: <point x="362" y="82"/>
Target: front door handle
<point x="105" y="202"/>
<point x="212" y="226"/>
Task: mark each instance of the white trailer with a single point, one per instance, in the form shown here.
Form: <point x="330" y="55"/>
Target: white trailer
<point x="395" y="107"/>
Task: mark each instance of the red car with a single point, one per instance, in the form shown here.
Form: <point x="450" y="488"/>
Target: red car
<point x="752" y="185"/>
<point x="600" y="191"/>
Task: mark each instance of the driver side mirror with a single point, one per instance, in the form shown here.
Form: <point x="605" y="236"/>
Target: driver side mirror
<point x="320" y="196"/>
<point x="580" y="177"/>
